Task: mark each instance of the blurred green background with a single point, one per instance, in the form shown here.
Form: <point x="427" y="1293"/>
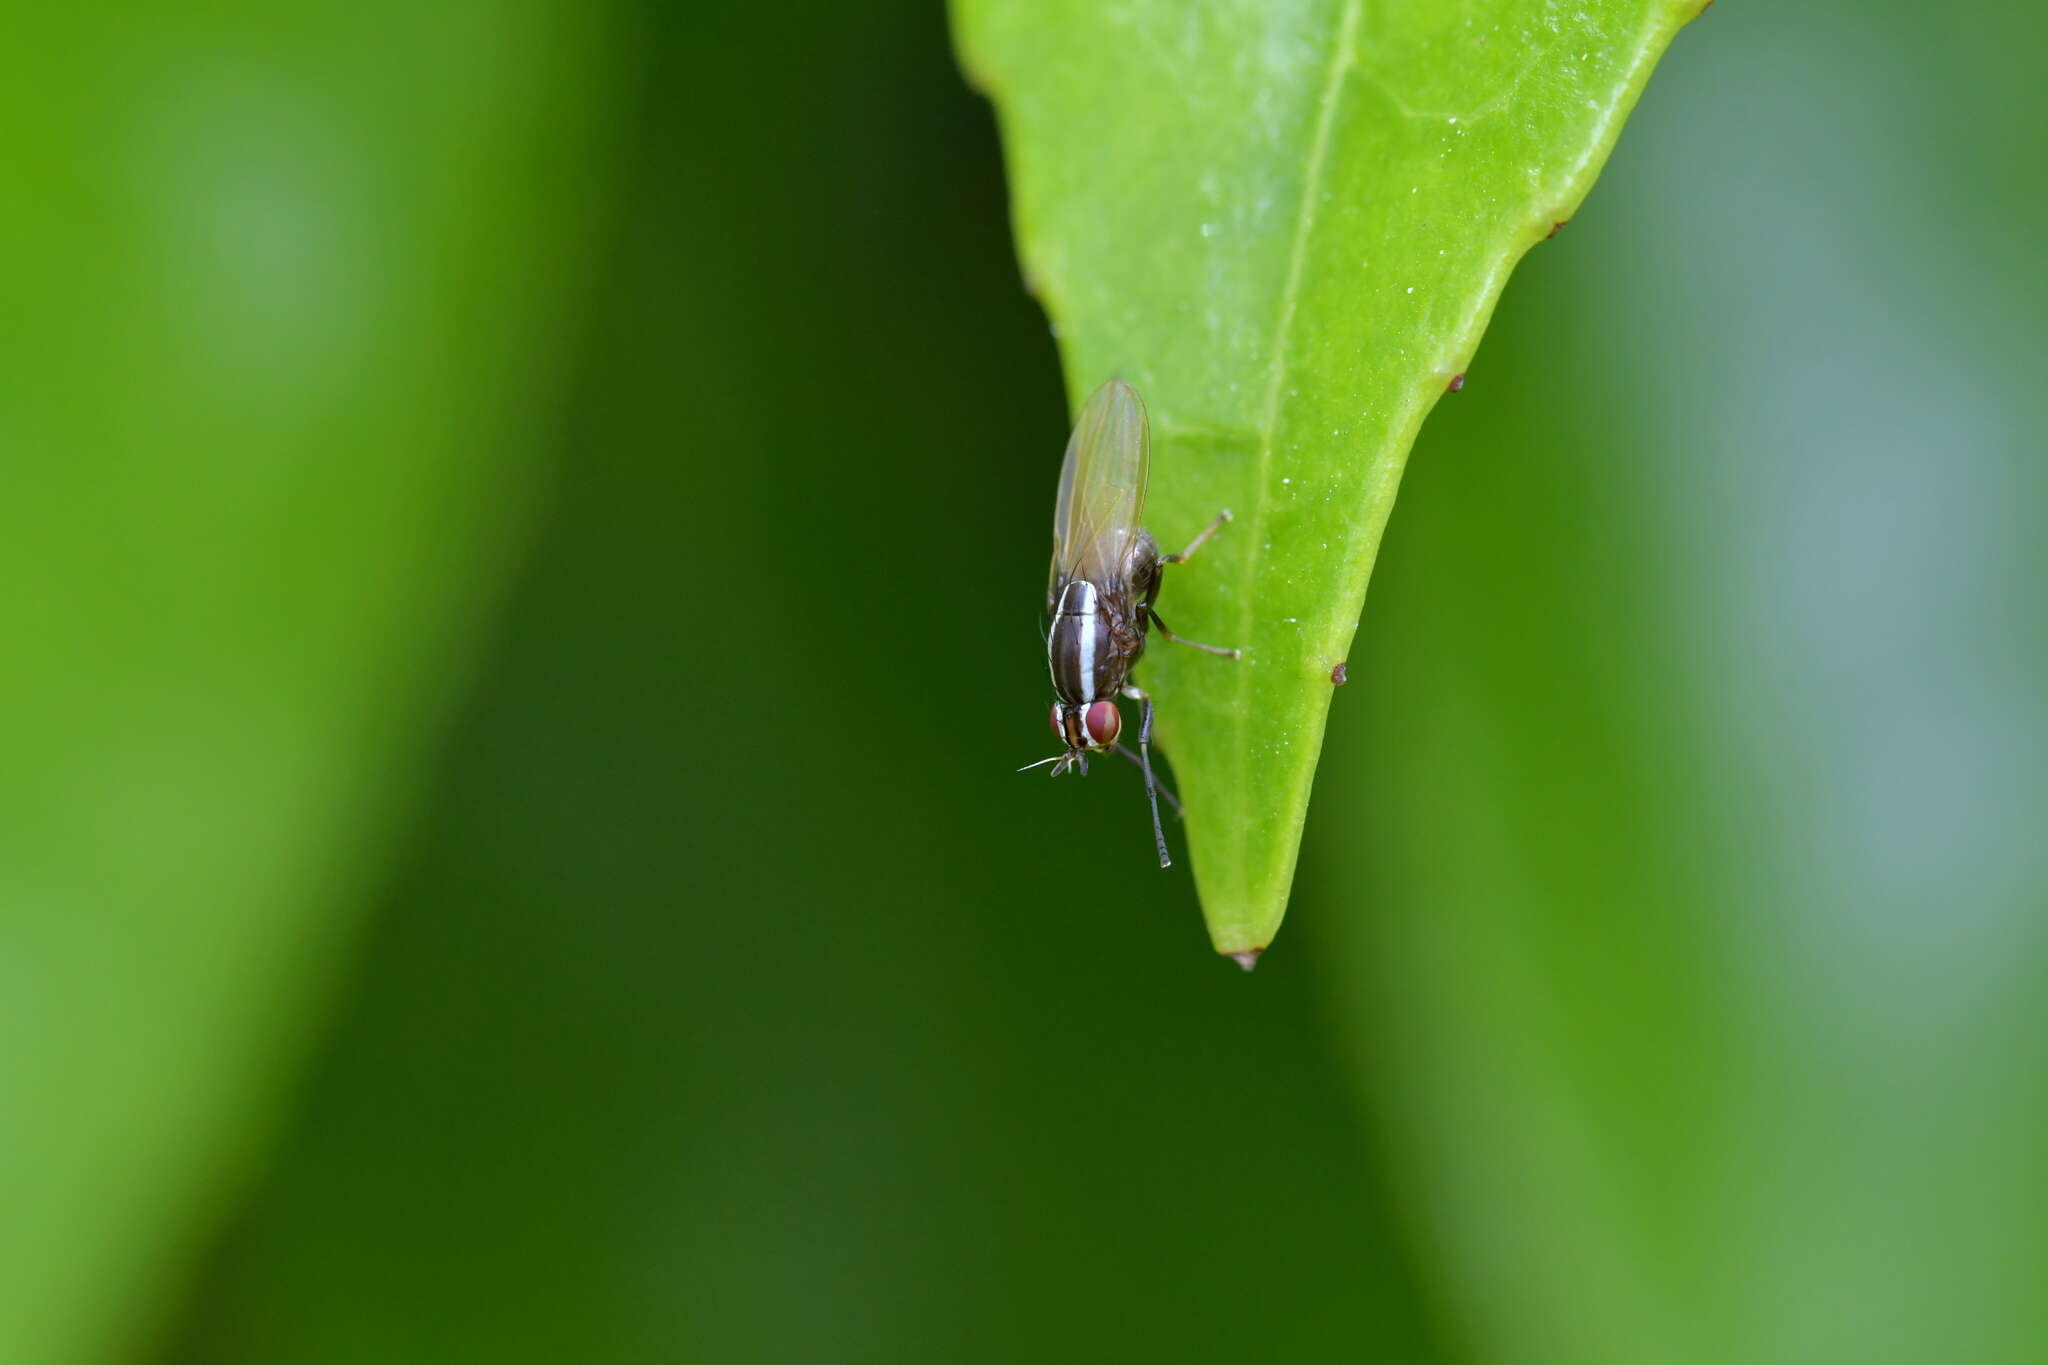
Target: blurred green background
<point x="521" y="534"/>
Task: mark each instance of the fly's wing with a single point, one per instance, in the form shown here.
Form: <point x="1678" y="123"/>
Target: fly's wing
<point x="1102" y="487"/>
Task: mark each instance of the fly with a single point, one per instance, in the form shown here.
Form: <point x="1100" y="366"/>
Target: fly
<point x="1104" y="586"/>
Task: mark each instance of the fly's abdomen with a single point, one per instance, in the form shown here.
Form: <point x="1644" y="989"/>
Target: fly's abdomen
<point x="1081" y="648"/>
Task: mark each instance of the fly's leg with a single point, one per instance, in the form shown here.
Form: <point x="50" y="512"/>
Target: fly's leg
<point x="1211" y="529"/>
<point x="1125" y="751"/>
<point x="1145" y="762"/>
<point x="1183" y="557"/>
<point x="1173" y="639"/>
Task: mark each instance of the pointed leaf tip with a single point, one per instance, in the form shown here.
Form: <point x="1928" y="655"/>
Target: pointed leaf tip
<point x="1247" y="959"/>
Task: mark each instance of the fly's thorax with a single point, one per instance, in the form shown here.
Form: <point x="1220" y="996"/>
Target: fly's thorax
<point x="1089" y="646"/>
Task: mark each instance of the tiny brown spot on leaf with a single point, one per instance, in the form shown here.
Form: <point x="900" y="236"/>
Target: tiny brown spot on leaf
<point x="1457" y="382"/>
<point x="1339" y="676"/>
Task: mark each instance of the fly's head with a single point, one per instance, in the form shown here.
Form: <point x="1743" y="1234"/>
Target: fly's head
<point x="1084" y="727"/>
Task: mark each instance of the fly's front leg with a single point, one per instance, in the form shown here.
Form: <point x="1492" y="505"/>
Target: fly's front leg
<point x="1145" y="762"/>
<point x="1173" y="639"/>
<point x="1211" y="529"/>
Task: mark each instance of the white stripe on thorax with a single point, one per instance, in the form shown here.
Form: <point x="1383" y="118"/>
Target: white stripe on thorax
<point x="1079" y="599"/>
<point x="1088" y="632"/>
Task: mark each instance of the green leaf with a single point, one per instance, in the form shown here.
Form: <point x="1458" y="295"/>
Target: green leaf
<point x="284" y="290"/>
<point x="1287" y="224"/>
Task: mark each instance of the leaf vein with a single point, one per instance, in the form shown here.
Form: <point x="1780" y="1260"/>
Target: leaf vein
<point x="1343" y="56"/>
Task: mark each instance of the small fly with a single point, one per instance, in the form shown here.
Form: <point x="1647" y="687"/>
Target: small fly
<point x="1105" y="582"/>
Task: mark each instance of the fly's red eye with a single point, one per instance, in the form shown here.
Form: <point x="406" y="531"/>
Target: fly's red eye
<point x="1103" y="722"/>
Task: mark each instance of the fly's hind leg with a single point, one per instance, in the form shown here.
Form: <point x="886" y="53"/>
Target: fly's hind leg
<point x="1211" y="529"/>
<point x="1173" y="639"/>
<point x="1145" y="762"/>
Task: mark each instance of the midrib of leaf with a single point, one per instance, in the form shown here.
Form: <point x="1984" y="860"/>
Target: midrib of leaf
<point x="1235" y="934"/>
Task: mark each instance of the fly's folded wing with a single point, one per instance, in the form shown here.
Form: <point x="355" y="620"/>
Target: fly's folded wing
<point x="1102" y="488"/>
